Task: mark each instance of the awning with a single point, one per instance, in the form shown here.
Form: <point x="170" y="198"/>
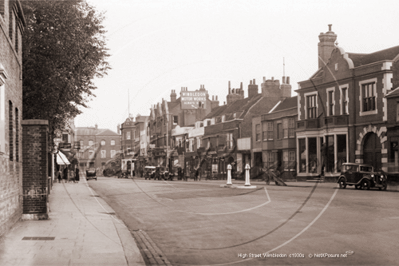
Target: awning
<point x="62" y="159"/>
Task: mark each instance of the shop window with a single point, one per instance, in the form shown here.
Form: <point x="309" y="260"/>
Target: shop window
<point x="312" y="155"/>
<point x="330" y="153"/>
<point x="341" y="151"/>
<point x="302" y="155"/>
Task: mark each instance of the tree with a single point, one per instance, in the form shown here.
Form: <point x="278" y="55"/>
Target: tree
<point x="64" y="49"/>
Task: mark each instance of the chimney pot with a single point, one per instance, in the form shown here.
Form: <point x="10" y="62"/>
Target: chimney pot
<point x="250" y="82"/>
<point x="288" y="80"/>
<point x="329" y="27"/>
<point x="264" y="79"/>
<point x="283" y="80"/>
<point x="253" y="82"/>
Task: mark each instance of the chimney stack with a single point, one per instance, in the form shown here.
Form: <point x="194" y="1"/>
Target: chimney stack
<point x="173" y="96"/>
<point x="326" y="46"/>
<point x="252" y="88"/>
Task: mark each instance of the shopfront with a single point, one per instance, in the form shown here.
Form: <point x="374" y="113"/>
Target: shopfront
<point x="322" y="153"/>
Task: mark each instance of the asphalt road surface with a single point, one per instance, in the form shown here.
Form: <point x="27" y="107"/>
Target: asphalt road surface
<point x="200" y="223"/>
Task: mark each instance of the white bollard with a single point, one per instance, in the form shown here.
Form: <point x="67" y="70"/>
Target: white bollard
<point x="247" y="183"/>
<point x="229" y="175"/>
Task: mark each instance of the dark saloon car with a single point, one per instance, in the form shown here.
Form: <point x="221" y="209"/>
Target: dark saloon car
<point x="91" y="174"/>
<point x="362" y="176"/>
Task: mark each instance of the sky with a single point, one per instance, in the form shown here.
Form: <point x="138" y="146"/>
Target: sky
<point x="161" y="45"/>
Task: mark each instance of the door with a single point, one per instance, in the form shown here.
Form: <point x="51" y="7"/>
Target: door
<point x="372" y="150"/>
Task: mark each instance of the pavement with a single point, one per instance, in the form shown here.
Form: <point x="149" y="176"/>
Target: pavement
<point x="81" y="230"/>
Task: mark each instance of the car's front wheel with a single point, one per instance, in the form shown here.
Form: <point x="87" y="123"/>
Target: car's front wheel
<point x="342" y="183"/>
<point x="365" y="184"/>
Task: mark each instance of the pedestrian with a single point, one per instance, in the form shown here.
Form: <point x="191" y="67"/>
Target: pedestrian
<point x="77" y="177"/>
<point x="196" y="175"/>
<point x="59" y="175"/>
<point x="65" y="174"/>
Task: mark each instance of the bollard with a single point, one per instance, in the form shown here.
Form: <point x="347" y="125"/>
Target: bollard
<point x="247" y="184"/>
<point x="247" y="167"/>
<point x="229" y="175"/>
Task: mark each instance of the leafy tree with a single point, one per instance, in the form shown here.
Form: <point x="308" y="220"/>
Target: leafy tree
<point x="64" y="48"/>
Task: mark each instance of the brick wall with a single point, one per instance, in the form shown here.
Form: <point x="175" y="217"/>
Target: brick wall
<point x="10" y="170"/>
<point x="35" y="168"/>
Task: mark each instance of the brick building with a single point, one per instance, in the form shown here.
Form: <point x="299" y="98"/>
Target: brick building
<point x="165" y="116"/>
<point x="228" y="128"/>
<point x="273" y="138"/>
<point x="343" y="111"/>
<point x="12" y="23"/>
<point x="97" y="146"/>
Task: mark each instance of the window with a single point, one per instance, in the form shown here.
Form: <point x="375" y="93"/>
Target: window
<point x="198" y="142"/>
<point x="341" y="151"/>
<point x="344" y="101"/>
<point x="285" y="128"/>
<point x="311" y="106"/>
<point x="270" y="131"/>
<point x="113" y="153"/>
<point x="128" y="135"/>
<point x="112" y="142"/>
<point x="291" y="128"/>
<point x="312" y="155"/>
<point x="302" y="155"/>
<point x="11" y="131"/>
<point x="264" y="131"/>
<point x="103" y="153"/>
<point x="90" y="143"/>
<point x="2" y="113"/>
<point x="368" y="97"/>
<point x="102" y="142"/>
<point x="16" y="135"/>
<point x="208" y="123"/>
<point x="330" y="102"/>
<point x="257" y="132"/>
<point x="279" y="131"/>
<point x="81" y="144"/>
<point x="11" y="24"/>
<point x="91" y="154"/>
<point x="175" y="120"/>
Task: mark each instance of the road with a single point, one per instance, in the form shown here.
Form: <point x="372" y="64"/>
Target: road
<point x="199" y="223"/>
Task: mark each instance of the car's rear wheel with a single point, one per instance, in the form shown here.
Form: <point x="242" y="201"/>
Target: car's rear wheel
<point x="342" y="183"/>
<point x="365" y="184"/>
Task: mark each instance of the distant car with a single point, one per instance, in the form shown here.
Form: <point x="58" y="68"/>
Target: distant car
<point x="91" y="174"/>
<point x="362" y="176"/>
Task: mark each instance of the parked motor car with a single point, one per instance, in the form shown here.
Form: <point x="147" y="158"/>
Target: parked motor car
<point x="149" y="172"/>
<point x="91" y="173"/>
<point x="362" y="176"/>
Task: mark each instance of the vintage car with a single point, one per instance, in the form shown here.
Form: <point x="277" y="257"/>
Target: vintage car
<point x="91" y="173"/>
<point x="362" y="176"/>
<point x="149" y="172"/>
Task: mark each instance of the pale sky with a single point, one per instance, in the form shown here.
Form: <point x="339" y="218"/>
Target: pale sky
<point x="161" y="45"/>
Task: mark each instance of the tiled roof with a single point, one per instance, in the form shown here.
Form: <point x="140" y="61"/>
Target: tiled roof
<point x="365" y="59"/>
<point x="216" y="111"/>
<point x="288" y="103"/>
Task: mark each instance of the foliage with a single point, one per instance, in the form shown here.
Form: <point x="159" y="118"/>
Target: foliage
<point x="63" y="50"/>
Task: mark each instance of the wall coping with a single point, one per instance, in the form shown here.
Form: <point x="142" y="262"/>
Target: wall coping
<point x="34" y="122"/>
